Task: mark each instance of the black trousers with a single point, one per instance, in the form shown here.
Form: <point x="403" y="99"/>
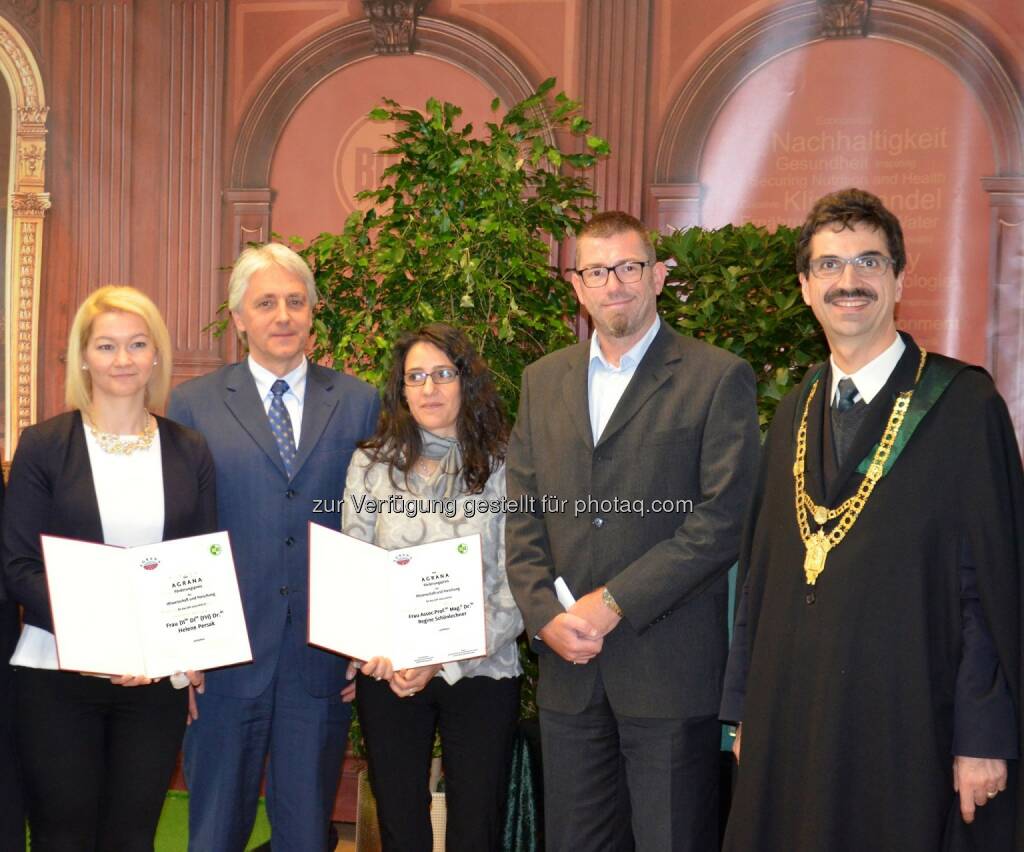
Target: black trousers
<point x="96" y="759"/>
<point x="12" y="814"/>
<point x="615" y="783"/>
<point x="476" y="719"/>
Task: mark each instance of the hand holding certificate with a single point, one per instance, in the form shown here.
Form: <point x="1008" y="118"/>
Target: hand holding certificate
<point x="418" y="606"/>
<point x="153" y="610"/>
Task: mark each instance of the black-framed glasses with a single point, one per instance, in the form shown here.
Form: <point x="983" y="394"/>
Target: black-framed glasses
<point x="439" y="376"/>
<point x="628" y="272"/>
<point x="864" y="265"/>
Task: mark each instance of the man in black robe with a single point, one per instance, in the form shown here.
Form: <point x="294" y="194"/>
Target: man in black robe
<point x="876" y="662"/>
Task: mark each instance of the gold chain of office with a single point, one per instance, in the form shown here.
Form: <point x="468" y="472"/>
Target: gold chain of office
<point x="818" y="545"/>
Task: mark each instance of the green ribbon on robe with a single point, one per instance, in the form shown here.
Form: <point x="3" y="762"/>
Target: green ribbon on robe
<point x="938" y="374"/>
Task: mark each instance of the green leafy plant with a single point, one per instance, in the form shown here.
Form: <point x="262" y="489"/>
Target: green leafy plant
<point x="735" y="287"/>
<point x="461" y="231"/>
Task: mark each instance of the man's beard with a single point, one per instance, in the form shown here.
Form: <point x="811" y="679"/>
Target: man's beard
<point x="618" y="325"/>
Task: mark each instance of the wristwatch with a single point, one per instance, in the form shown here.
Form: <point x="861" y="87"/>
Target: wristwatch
<point x="609" y="601"/>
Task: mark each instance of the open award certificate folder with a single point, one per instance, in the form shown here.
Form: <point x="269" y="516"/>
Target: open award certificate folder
<point x="417" y="605"/>
<point x="153" y="610"/>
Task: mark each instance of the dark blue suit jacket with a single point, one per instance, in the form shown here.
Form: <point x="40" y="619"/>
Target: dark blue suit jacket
<point x="267" y="515"/>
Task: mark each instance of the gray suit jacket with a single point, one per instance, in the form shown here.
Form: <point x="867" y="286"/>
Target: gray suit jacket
<point x="685" y="429"/>
<point x="268" y="514"/>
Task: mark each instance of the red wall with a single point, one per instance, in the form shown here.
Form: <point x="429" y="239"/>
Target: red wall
<point x="179" y="129"/>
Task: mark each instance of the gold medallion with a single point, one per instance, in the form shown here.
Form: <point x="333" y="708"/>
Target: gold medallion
<point x="818" y="547"/>
<point x="820" y="515"/>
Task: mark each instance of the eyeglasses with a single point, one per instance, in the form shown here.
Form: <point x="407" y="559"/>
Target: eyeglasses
<point x="628" y="272"/>
<point x="864" y="265"/>
<point x="440" y="376"/>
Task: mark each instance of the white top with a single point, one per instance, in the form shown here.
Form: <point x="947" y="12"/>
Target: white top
<point x="130" y="496"/>
<point x="293" y="398"/>
<point x="607" y="383"/>
<point x="870" y="378"/>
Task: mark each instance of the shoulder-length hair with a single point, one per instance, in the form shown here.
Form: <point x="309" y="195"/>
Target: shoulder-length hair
<point x="109" y="299"/>
<point x="482" y="429"/>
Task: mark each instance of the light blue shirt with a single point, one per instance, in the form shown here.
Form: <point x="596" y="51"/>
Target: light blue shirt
<point x="293" y="397"/>
<point x="607" y="383"/>
<point x="870" y="378"/>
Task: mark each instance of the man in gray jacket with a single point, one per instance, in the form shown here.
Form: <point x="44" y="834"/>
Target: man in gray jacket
<point x="632" y="458"/>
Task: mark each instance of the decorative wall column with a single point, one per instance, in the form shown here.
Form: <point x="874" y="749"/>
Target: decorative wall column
<point x="186" y="90"/>
<point x="1006" y="304"/>
<point x="616" y="41"/>
<point x="28" y="203"/>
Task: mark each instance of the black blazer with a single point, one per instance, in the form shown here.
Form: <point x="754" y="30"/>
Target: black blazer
<point x="51" y="491"/>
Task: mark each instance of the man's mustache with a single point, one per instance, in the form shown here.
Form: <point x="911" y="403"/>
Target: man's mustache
<point x="855" y="293"/>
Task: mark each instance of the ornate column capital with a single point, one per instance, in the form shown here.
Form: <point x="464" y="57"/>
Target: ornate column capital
<point x="844" y="18"/>
<point x="30" y="205"/>
<point x="32" y="118"/>
<point x="393" y="23"/>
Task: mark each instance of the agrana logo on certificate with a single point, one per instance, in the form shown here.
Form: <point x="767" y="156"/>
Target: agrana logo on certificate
<point x="150" y="563"/>
<point x="402" y="558"/>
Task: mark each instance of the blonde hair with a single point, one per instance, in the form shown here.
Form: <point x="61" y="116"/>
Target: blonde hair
<point x="112" y="299"/>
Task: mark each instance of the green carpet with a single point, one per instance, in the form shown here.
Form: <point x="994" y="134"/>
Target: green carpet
<point x="172" y="833"/>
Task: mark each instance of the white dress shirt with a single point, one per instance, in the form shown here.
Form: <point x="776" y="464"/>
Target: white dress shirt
<point x="607" y="383"/>
<point x="870" y="378"/>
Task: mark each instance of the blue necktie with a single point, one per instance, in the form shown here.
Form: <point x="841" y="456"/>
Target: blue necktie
<point x="846" y="396"/>
<point x="847" y="416"/>
<point x="281" y="425"/>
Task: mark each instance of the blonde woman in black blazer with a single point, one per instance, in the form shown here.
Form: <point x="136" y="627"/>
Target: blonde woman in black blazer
<point x="97" y="755"/>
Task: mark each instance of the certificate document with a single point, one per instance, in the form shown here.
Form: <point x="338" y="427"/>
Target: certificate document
<point x="153" y="610"/>
<point x="416" y="605"/>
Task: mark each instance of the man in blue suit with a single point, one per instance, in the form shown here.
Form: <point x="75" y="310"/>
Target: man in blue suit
<point x="282" y="431"/>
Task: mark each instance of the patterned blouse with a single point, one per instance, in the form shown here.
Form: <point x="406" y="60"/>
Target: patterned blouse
<point x="413" y="516"/>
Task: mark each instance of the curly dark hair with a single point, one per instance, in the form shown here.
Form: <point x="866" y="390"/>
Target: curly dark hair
<point x="482" y="428"/>
<point x="847" y="208"/>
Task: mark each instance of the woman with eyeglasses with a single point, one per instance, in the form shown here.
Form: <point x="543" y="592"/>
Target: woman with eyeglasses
<point x="440" y="441"/>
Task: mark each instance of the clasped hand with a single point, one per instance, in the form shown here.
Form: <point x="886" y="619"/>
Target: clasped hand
<point x="404" y="682"/>
<point x="577" y="635"/>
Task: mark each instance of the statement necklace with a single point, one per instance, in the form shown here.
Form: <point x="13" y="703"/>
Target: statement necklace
<point x="120" y="445"/>
<point x="817" y="544"/>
